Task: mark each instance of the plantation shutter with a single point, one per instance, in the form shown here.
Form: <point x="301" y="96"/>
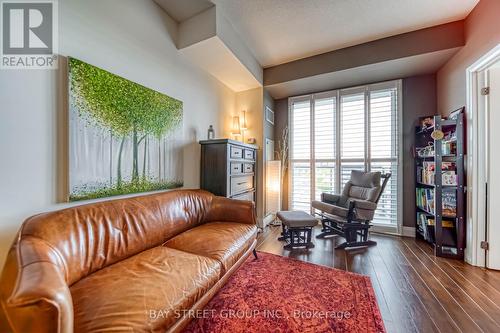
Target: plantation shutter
<point x="300" y="170"/>
<point x="324" y="145"/>
<point x="335" y="132"/>
<point x="384" y="149"/>
<point x="352" y="123"/>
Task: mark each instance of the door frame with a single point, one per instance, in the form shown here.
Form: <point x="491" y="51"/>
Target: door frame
<point x="476" y="164"/>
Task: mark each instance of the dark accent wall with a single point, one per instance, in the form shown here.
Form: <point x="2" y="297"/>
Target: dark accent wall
<point x="280" y="122"/>
<point x="268" y="127"/>
<point x="419" y="99"/>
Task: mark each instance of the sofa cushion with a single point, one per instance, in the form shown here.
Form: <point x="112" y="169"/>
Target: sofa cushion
<point x="223" y="241"/>
<point x="143" y="293"/>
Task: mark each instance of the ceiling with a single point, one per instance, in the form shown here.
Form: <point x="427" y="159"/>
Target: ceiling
<point x="214" y="56"/>
<point x="182" y="10"/>
<point x="278" y="31"/>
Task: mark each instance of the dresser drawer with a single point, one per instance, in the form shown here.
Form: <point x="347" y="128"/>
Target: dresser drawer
<point x="248" y="168"/>
<point x="249" y="154"/>
<point x="241" y="184"/>
<point x="236" y="152"/>
<point x="245" y="196"/>
<point x="236" y="168"/>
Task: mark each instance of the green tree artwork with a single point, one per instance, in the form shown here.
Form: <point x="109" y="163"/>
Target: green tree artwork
<point x="124" y="137"/>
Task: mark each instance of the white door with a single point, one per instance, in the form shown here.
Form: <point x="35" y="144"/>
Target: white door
<point x="492" y="118"/>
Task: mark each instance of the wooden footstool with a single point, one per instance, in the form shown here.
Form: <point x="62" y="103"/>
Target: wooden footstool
<point x="297" y="229"/>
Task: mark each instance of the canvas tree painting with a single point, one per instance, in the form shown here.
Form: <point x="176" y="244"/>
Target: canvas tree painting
<point x="124" y="137"/>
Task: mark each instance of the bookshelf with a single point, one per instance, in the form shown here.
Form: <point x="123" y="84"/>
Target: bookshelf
<point x="440" y="196"/>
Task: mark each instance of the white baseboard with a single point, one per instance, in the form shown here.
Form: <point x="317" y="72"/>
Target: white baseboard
<point x="266" y="220"/>
<point x="408" y="232"/>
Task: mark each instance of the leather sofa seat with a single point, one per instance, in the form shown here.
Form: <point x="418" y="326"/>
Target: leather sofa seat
<point x="222" y="241"/>
<point x="139" y="264"/>
<point x="144" y="293"/>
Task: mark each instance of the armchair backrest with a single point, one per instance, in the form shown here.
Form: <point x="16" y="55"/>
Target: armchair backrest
<point x="385" y="177"/>
<point x="365" y="185"/>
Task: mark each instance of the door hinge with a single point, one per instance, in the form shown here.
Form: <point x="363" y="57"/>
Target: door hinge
<point x="485" y="91"/>
<point x="485" y="245"/>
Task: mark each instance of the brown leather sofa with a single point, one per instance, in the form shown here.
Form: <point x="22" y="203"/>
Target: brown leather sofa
<point x="135" y="265"/>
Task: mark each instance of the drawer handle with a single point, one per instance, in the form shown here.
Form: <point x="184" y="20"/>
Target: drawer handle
<point x="241" y="183"/>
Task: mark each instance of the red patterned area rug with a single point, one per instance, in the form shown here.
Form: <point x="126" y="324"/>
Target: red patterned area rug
<point x="279" y="294"/>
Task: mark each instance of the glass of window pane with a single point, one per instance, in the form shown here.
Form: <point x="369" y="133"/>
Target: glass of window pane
<point x="301" y="130"/>
<point x="324" y="129"/>
<point x="301" y="186"/>
<point x="383" y="117"/>
<point x="387" y="208"/>
<point x="352" y="115"/>
<point x="325" y="178"/>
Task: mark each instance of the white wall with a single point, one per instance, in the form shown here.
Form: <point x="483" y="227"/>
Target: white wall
<point x="482" y="33"/>
<point x="130" y="38"/>
<point x="252" y="102"/>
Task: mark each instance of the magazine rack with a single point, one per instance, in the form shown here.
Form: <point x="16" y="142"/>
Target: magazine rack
<point x="440" y="196"/>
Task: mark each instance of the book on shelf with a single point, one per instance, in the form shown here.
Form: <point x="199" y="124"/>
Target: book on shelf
<point x="426" y="226"/>
<point x="426" y="173"/>
<point x="444" y="223"/>
<point x="449" y="201"/>
<point x="421" y="225"/>
<point x="425" y="201"/>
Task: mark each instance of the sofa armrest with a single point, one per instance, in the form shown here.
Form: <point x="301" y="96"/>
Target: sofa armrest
<point x="231" y="210"/>
<point x="34" y="293"/>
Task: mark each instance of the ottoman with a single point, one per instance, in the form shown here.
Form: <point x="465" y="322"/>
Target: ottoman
<point x="297" y="229"/>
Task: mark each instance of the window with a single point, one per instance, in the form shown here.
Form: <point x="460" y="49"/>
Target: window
<point x="301" y="155"/>
<point x="335" y="132"/>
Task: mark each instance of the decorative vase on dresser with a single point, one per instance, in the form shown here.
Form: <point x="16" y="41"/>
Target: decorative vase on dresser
<point x="228" y="168"/>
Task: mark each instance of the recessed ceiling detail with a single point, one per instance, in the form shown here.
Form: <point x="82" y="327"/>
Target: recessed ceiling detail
<point x="279" y="31"/>
<point x="441" y="37"/>
<point x="209" y="41"/>
<point x="316" y="45"/>
<point x="185" y="9"/>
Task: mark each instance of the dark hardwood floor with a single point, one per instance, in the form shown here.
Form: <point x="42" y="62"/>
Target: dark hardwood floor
<point x="416" y="291"/>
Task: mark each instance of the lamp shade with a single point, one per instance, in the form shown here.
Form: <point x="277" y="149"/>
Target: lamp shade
<point x="236" y="130"/>
<point x="273" y="187"/>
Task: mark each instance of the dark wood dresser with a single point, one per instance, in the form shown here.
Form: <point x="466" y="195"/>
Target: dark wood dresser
<point x="228" y="168"/>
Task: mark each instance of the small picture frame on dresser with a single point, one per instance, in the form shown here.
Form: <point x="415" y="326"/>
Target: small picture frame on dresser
<point x="269" y="115"/>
